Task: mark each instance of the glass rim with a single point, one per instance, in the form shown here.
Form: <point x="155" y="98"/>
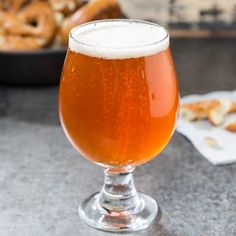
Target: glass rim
<point x="73" y="31"/>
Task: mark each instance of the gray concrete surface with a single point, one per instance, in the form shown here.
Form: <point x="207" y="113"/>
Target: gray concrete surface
<point x="43" y="179"/>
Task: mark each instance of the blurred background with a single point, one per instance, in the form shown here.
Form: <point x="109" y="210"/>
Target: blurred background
<point x="188" y="18"/>
<point x="201" y="32"/>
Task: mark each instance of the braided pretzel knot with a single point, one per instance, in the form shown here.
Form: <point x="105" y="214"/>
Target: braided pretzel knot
<point x="31" y="27"/>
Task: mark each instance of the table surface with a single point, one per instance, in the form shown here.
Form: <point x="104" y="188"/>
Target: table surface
<point x="43" y="179"/>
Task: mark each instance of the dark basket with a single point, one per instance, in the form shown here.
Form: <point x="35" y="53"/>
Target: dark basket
<point x="42" y="67"/>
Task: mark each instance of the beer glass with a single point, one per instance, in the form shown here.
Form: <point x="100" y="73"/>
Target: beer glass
<point x="118" y="105"/>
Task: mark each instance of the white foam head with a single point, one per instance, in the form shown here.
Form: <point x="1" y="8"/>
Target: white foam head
<point x="118" y="39"/>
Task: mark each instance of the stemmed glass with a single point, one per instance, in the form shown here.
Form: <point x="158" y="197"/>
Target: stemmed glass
<point x="118" y="105"/>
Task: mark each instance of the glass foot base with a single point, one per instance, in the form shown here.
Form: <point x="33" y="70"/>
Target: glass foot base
<point x="135" y="219"/>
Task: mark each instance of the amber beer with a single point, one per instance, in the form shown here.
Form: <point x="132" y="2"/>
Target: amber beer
<point x="118" y="103"/>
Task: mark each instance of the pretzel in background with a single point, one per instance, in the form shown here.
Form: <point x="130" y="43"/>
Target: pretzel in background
<point x="214" y="111"/>
<point x="35" y="24"/>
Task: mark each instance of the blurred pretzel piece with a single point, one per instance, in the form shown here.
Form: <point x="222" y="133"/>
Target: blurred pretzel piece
<point x="13" y="42"/>
<point x="11" y="25"/>
<point x="217" y="114"/>
<point x="12" y="5"/>
<point x="230" y="126"/>
<point x="61" y="9"/>
<point x="11" y="37"/>
<point x="213" y="110"/>
<point x="66" y="7"/>
<point x="32" y="28"/>
<point x="38" y="16"/>
<point x="94" y="10"/>
<point x="198" y="110"/>
<point x="232" y="107"/>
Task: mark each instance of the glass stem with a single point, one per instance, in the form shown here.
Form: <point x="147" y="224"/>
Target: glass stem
<point x="119" y="193"/>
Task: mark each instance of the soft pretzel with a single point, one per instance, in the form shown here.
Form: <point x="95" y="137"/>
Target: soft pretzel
<point x="33" y="27"/>
<point x="62" y="9"/>
<point x="232" y="107"/>
<point x="94" y="10"/>
<point x="66" y="7"/>
<point x="213" y="110"/>
<point x="12" y="5"/>
<point x="39" y="17"/>
<point x="13" y="42"/>
<point x="230" y="126"/>
<point x="33" y="24"/>
<point x="198" y="110"/>
<point x="217" y="115"/>
<point x="11" y="25"/>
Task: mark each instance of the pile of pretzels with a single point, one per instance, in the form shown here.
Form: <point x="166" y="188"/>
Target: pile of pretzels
<point x="35" y="24"/>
